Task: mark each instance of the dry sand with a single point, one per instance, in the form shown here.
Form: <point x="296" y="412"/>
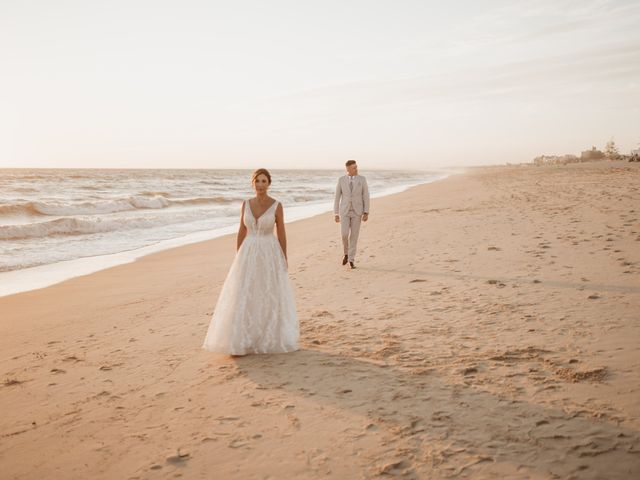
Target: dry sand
<point x="491" y="330"/>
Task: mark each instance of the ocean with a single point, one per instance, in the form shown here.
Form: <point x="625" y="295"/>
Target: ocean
<point x="59" y="223"/>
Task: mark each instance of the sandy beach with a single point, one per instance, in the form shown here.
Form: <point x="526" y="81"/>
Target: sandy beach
<point x="491" y="330"/>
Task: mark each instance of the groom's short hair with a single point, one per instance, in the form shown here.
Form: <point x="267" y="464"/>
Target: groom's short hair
<point x="349" y="163"/>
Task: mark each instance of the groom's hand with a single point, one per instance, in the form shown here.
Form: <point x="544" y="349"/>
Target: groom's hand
<point x="337" y="217"/>
<point x="365" y="217"/>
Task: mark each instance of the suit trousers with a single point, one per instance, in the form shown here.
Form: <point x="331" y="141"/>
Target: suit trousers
<point x="350" y="229"/>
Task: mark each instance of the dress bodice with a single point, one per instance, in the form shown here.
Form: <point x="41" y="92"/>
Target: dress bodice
<point x="264" y="224"/>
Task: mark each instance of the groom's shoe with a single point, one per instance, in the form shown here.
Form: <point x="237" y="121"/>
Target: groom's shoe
<point x="351" y="264"/>
<point x="345" y="259"/>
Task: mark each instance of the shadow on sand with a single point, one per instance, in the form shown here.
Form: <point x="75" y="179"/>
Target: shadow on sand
<point x="452" y="428"/>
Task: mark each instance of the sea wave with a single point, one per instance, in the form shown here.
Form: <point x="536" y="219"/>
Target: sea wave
<point x="138" y="202"/>
<point x="155" y="194"/>
<point x="213" y="182"/>
<point x="83" y="226"/>
<point x="25" y="189"/>
<point x="204" y="200"/>
<point x="304" y="198"/>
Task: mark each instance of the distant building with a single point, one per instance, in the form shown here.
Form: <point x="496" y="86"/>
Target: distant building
<point x="593" y="154"/>
<point x="555" y="159"/>
<point x="586" y="156"/>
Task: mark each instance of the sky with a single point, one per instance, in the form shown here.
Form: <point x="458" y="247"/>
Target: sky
<point x="397" y="84"/>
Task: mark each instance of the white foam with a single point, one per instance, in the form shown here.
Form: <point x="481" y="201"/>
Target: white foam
<point x="33" y="278"/>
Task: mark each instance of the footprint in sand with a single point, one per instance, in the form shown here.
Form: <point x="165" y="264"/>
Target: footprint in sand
<point x="224" y="420"/>
<point x="179" y="458"/>
<point x="109" y="366"/>
<point x="294" y="421"/>
<point x="372" y="427"/>
<point x="394" y="468"/>
<point x="237" y="443"/>
<point x="12" y="381"/>
<point x="574" y="376"/>
<point x="72" y="358"/>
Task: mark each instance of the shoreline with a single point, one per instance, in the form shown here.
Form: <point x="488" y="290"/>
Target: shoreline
<point x="489" y="330"/>
<point x="43" y="276"/>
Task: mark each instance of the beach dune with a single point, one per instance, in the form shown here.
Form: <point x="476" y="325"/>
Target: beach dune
<point x="490" y="331"/>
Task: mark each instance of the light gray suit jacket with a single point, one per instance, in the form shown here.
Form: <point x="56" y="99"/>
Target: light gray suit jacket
<point x="346" y="198"/>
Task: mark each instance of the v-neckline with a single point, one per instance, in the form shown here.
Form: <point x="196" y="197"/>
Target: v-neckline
<point x="262" y="214"/>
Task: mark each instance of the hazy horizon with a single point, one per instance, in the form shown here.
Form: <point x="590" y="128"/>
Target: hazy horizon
<point x="249" y="169"/>
<point x="215" y="85"/>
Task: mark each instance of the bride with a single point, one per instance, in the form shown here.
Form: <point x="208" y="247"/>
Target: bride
<point x="256" y="311"/>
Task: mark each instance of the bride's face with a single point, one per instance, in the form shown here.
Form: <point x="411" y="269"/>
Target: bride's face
<point x="261" y="184"/>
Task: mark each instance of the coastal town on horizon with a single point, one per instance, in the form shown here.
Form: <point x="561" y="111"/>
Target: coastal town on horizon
<point x="610" y="152"/>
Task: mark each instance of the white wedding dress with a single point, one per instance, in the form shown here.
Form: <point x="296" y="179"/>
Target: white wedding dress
<point x="256" y="311"/>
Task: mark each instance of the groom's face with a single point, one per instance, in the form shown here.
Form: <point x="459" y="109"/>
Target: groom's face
<point x="352" y="169"/>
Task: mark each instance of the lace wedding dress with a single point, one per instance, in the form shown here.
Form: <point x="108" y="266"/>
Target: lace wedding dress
<point x="256" y="311"/>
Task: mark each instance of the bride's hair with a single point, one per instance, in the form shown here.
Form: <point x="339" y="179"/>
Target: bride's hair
<point x="258" y="172"/>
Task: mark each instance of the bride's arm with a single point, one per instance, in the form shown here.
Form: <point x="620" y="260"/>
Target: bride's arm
<point x="242" y="231"/>
<point x="282" y="236"/>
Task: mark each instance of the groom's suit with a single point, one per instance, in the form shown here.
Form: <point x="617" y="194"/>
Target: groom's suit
<point x="351" y="202"/>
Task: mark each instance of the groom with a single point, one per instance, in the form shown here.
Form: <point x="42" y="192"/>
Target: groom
<point x="351" y="206"/>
